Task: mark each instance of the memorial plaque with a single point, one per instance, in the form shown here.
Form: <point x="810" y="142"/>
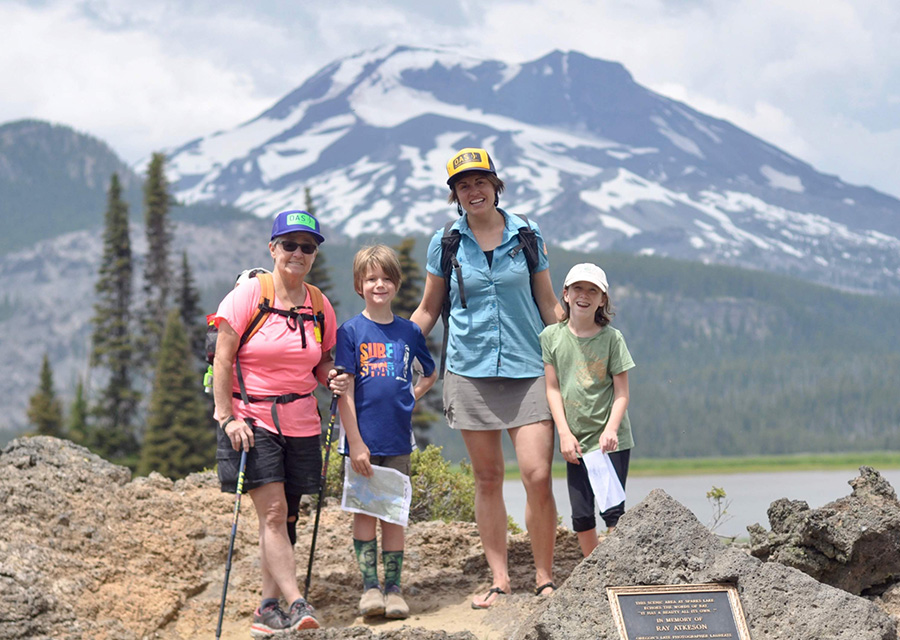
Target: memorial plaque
<point x="678" y="612"/>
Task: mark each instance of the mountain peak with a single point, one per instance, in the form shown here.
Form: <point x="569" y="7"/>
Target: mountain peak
<point x="582" y="147"/>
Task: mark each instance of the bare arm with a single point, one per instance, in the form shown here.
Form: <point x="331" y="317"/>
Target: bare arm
<point x="424" y="384"/>
<point x="357" y="449"/>
<point x="429" y="309"/>
<point x="227" y="343"/>
<point x="609" y="439"/>
<point x="568" y="443"/>
<point x="548" y="305"/>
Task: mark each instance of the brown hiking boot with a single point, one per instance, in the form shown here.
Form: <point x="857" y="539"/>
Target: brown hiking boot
<point x="371" y="603"/>
<point x="395" y="606"/>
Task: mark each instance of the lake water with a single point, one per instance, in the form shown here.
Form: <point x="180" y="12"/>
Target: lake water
<point x="750" y="494"/>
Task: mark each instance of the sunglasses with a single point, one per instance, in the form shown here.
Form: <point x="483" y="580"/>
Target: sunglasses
<point x="290" y="246"/>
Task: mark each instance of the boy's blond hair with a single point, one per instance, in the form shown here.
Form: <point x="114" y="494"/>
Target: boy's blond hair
<point x="376" y="255"/>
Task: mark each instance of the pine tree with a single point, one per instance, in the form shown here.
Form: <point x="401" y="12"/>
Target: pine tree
<point x="180" y="438"/>
<point x="405" y="302"/>
<point x="44" y="408"/>
<point x="112" y="343"/>
<point x="157" y="270"/>
<point x="78" y="429"/>
<point x="410" y="293"/>
<point x="318" y="274"/>
<point x="192" y="317"/>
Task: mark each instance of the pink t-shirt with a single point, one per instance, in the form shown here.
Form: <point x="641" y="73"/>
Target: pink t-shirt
<point x="274" y="362"/>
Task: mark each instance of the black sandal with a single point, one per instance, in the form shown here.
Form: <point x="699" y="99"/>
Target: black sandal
<point x="543" y="587"/>
<point x="497" y="590"/>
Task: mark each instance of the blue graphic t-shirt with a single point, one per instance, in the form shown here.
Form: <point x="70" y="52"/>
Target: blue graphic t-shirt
<point x="381" y="357"/>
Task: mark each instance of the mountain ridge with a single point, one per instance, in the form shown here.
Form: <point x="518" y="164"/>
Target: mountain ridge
<point x="585" y="150"/>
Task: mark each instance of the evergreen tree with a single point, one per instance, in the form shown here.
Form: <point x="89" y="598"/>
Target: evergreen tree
<point x="410" y="293"/>
<point x="429" y="408"/>
<point x="112" y="344"/>
<point x="192" y="316"/>
<point x="78" y="428"/>
<point x="157" y="270"/>
<point x="180" y="438"/>
<point x="318" y="275"/>
<point x="44" y="408"/>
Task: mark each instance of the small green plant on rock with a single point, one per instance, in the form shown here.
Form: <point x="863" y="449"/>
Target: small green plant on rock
<point x="718" y="499"/>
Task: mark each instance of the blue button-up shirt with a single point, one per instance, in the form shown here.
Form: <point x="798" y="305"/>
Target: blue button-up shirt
<point x="497" y="334"/>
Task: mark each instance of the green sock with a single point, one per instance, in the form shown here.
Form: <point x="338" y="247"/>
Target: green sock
<point x="393" y="567"/>
<point x="367" y="557"/>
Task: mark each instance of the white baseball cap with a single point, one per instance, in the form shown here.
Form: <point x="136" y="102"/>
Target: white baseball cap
<point x="587" y="272"/>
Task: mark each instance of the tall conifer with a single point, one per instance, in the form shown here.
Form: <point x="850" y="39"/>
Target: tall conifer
<point x="192" y="317"/>
<point x="44" y="408"/>
<point x="180" y="438"/>
<point x="157" y="270"/>
<point x="77" y="427"/>
<point x="112" y="341"/>
<point x="405" y="302"/>
<point x="318" y="275"/>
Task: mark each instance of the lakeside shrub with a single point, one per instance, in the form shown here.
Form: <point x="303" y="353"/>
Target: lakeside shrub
<point x="440" y="492"/>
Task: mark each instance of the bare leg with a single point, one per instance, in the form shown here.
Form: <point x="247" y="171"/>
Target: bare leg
<point x="588" y="541"/>
<point x="534" y="451"/>
<point x="276" y="555"/>
<point x="488" y="468"/>
<point x="393" y="536"/>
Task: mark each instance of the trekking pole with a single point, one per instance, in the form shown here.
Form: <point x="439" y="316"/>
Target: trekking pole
<point x="322" y="480"/>
<point x="234" y="523"/>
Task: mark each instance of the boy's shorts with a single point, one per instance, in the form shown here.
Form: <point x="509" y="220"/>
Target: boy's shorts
<point x="581" y="495"/>
<point x="297" y="462"/>
<point x="400" y="463"/>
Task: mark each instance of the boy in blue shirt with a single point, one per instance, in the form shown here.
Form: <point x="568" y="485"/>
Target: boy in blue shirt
<point x="378" y="349"/>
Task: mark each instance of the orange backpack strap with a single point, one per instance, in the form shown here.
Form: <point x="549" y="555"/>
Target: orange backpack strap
<point x="318" y="308"/>
<point x="266" y="302"/>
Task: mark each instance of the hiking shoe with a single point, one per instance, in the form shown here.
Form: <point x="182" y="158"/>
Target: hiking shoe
<point x="395" y="606"/>
<point x="301" y="615"/>
<point x="371" y="603"/>
<point x="269" y="621"/>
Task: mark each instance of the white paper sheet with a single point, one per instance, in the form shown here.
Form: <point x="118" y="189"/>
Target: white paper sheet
<point x="386" y="495"/>
<point x="608" y="491"/>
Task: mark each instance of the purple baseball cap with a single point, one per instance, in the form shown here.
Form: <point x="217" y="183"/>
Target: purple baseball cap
<point x="297" y="220"/>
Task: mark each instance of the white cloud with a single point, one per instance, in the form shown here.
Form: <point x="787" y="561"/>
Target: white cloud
<point x="813" y="77"/>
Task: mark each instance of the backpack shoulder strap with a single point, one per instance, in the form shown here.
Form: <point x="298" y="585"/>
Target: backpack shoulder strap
<point x="449" y="263"/>
<point x="528" y="243"/>
<point x="318" y="308"/>
<point x="264" y="306"/>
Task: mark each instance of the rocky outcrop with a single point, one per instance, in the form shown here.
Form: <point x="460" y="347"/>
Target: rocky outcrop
<point x="660" y="542"/>
<point x="88" y="553"/>
<point x="852" y="543"/>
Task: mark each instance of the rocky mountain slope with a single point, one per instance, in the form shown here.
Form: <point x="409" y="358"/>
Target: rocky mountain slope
<point x="598" y="160"/>
<point x="53" y="180"/>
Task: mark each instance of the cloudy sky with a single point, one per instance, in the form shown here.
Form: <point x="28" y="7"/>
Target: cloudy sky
<point x="818" y="78"/>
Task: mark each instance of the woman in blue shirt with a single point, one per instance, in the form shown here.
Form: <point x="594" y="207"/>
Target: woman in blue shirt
<point x="494" y="378"/>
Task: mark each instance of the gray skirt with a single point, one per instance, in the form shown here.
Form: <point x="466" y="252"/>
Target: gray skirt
<point x="491" y="404"/>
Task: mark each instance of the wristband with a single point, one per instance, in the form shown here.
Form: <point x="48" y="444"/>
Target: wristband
<point x="227" y="421"/>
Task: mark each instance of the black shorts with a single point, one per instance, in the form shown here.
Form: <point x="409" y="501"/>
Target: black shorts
<point x="581" y="496"/>
<point x="297" y="462"/>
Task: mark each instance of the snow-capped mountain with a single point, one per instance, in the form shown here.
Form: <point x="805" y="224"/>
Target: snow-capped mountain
<point x="599" y="161"/>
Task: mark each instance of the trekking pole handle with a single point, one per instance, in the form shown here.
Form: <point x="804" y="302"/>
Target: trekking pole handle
<point x="334" y="397"/>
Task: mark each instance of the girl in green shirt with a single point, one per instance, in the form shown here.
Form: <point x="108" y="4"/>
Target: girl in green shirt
<point x="586" y="365"/>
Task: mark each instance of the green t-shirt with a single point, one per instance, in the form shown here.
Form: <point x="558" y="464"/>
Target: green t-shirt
<point x="585" y="368"/>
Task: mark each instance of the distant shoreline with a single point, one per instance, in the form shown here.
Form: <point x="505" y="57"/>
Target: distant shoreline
<point x="745" y="464"/>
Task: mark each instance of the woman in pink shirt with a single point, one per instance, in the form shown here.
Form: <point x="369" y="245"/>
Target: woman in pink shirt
<point x="264" y="405"/>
